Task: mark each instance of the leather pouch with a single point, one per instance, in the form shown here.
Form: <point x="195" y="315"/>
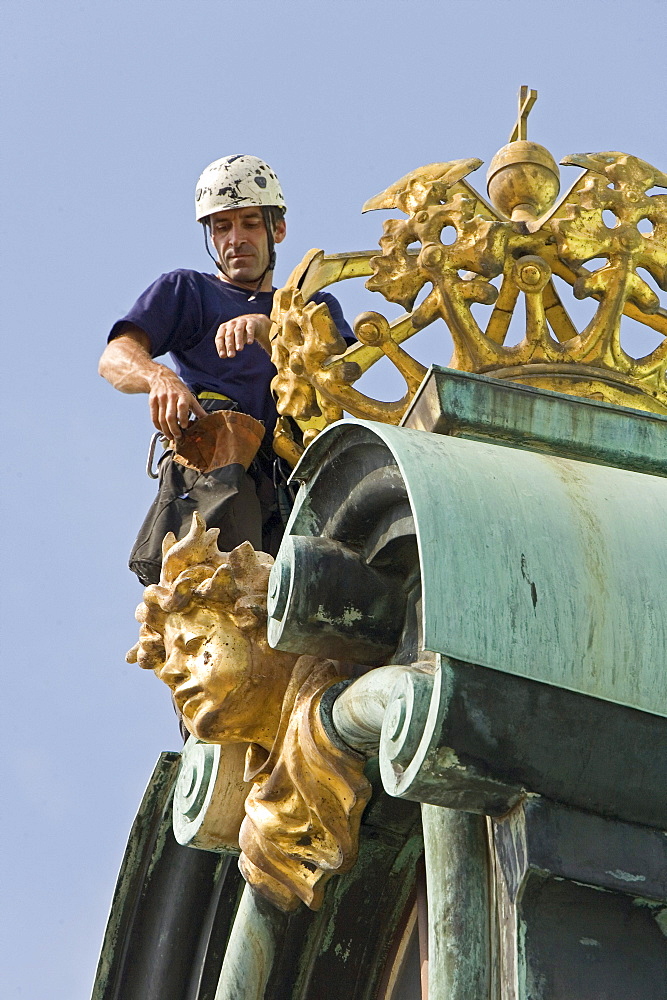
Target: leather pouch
<point x="225" y="437"/>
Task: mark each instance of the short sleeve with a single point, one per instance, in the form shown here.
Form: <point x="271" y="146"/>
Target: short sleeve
<point x="169" y="312"/>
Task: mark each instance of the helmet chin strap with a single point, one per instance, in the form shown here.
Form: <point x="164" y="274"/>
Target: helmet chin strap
<point x="271" y="247"/>
<point x="208" y="251"/>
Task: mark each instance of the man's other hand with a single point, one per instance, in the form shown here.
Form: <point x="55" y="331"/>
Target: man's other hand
<point x="233" y="335"/>
<point x="171" y="402"/>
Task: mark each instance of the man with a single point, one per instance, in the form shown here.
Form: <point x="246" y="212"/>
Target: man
<point x="216" y="329"/>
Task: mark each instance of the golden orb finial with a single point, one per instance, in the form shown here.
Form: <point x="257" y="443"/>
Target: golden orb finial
<point x="523" y="179"/>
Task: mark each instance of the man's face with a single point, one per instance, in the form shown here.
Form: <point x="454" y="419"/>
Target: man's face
<point x="239" y="236"/>
<point x="227" y="689"/>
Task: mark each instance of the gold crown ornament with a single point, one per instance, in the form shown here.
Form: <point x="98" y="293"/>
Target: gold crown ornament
<point x="524" y="237"/>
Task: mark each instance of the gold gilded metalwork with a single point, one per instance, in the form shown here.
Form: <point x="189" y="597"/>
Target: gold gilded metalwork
<point x="523" y="239"/>
<point x="527" y="98"/>
<point x="523" y="180"/>
<point x="304" y="809"/>
<point x="203" y="632"/>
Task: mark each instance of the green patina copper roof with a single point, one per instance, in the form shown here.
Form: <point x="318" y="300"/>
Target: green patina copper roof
<point x="535" y="564"/>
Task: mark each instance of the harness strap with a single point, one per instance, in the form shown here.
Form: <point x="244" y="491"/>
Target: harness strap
<point x="214" y="395"/>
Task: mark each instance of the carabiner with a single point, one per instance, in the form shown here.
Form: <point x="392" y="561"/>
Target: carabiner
<point x="151" y="456"/>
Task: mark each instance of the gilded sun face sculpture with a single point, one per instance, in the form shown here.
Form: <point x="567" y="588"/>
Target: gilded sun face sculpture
<point x="203" y="632"/>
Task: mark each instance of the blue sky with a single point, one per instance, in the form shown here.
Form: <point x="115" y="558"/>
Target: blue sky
<point x="111" y="112"/>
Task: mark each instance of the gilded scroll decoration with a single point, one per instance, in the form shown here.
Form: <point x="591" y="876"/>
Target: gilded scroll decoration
<point x="454" y="243"/>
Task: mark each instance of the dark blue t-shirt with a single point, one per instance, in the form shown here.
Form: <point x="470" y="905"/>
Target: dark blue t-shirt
<point x="181" y="312"/>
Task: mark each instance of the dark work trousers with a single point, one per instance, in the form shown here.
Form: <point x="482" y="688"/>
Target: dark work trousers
<point x="243" y="505"/>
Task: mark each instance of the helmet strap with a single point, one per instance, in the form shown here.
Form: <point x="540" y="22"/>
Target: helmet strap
<point x="267" y="215"/>
<point x="208" y="250"/>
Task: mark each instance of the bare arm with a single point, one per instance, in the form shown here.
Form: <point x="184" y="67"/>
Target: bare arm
<point x="126" y="363"/>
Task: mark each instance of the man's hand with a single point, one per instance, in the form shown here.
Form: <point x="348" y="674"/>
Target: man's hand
<point x="233" y="335"/>
<point x="171" y="402"/>
<point x="127" y="364"/>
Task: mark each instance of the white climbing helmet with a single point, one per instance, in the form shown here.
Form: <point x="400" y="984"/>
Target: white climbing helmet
<point x="239" y="181"/>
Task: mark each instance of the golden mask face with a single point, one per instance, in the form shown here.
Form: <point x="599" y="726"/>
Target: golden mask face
<point x="228" y="686"/>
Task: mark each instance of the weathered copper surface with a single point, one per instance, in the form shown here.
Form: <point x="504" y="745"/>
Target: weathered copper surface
<point x="536" y="527"/>
<point x="545" y="541"/>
